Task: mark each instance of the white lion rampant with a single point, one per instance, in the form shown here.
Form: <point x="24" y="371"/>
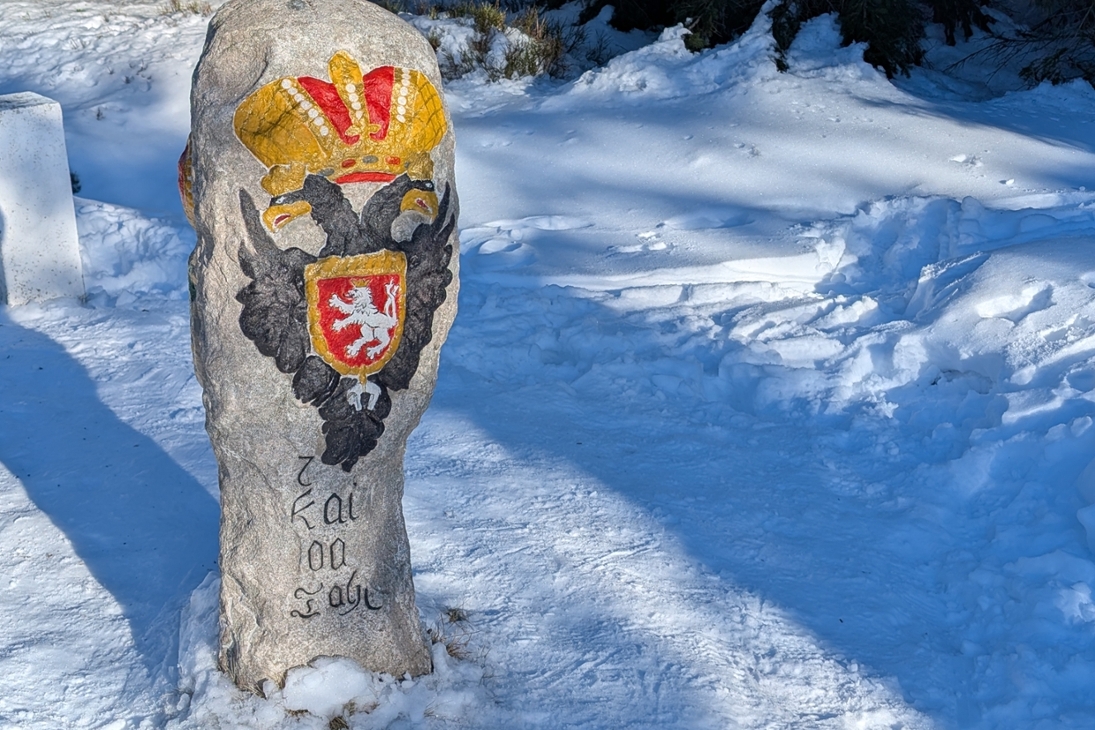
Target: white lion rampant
<point x="376" y="326"/>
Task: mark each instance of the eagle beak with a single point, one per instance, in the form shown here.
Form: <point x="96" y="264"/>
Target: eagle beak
<point x="276" y="216"/>
<point x="420" y="201"/>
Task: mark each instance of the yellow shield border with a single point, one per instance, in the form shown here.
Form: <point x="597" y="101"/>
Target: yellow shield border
<point x="381" y="262"/>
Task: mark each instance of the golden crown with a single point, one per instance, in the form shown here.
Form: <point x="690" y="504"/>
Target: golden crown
<point x="354" y="128"/>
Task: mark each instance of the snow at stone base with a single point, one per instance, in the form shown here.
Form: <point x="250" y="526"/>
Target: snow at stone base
<point x="769" y="405"/>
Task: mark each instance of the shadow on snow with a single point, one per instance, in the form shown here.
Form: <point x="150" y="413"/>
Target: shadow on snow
<point x="145" y="528"/>
<point x="797" y="510"/>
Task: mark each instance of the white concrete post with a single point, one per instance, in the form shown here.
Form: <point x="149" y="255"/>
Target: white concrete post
<point x="39" y="248"/>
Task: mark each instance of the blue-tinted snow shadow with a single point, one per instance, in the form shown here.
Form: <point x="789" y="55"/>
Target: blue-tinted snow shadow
<point x="1030" y="120"/>
<point x="804" y="521"/>
<point x="145" y="528"/>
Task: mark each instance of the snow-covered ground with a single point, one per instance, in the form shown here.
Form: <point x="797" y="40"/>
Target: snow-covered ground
<point x="769" y="405"/>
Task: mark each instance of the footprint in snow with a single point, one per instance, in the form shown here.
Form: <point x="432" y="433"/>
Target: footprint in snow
<point x="650" y="241"/>
<point x="504" y="244"/>
<point x="541" y="223"/>
<point x="708" y="218"/>
<point x="967" y="160"/>
<point x="1014" y="307"/>
<point x="498" y="254"/>
<point x="747" y="149"/>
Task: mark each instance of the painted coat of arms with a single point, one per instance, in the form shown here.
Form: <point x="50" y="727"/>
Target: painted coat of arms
<point x="356" y="307"/>
<point x="350" y="323"/>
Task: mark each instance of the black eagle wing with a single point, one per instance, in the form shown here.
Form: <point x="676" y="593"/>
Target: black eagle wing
<point x="428" y="277"/>
<point x="275" y="309"/>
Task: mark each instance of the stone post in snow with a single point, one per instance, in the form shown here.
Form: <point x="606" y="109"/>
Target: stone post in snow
<point x="319" y="178"/>
<point x="39" y="248"/>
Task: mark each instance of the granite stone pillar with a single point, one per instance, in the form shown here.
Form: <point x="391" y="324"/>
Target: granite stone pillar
<point x="319" y="178"/>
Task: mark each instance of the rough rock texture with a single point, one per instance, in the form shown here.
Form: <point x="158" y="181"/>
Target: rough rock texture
<point x="320" y="169"/>
<point x="39" y="250"/>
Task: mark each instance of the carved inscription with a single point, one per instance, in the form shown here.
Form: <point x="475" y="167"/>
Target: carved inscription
<point x="332" y="556"/>
<point x="300" y="504"/>
<point x="315" y="555"/>
<point x="338" y="554"/>
<point x="309" y="602"/>
<point x="324" y="556"/>
<point x="350" y="596"/>
<point x="300" y="474"/>
<point x="332" y="509"/>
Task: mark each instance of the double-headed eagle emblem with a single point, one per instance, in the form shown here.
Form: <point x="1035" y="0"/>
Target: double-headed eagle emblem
<point x="350" y="323"/>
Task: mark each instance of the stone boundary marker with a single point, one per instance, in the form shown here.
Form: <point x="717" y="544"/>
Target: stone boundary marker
<point x="39" y="247"/>
<point x="319" y="178"/>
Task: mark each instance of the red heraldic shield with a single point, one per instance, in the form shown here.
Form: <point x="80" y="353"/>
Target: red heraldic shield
<point x="356" y="309"/>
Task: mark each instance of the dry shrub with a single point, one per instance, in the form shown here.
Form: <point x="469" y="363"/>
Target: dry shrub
<point x="179" y="7"/>
<point x="454" y="632"/>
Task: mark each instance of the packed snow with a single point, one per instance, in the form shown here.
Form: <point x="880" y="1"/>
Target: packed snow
<point x="769" y="404"/>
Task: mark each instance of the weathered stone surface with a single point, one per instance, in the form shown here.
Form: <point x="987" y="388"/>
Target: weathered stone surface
<point x="324" y="282"/>
<point x="39" y="250"/>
